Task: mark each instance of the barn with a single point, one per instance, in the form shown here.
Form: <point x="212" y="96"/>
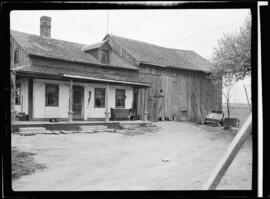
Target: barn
<point x="69" y="81"/>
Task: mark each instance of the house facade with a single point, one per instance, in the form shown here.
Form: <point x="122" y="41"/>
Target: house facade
<point x="70" y="81"/>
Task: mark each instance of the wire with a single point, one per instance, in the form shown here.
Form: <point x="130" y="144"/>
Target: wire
<point x="204" y="33"/>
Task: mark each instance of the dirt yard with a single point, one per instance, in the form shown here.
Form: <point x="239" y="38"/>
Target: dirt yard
<point x="180" y="156"/>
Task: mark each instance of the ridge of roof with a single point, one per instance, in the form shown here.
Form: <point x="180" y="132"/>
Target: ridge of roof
<point x="46" y="38"/>
<point x="146" y="52"/>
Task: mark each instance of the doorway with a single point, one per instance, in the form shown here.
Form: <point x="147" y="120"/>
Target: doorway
<point x="77" y="105"/>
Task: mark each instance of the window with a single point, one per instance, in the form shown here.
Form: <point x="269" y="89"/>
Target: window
<point x="52" y="94"/>
<point x="18" y="94"/>
<point x="104" y="56"/>
<point x="99" y="97"/>
<point x="16" y="57"/>
<point x="120" y="98"/>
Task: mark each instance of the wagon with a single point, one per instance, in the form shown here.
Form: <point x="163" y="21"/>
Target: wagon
<point x="214" y="117"/>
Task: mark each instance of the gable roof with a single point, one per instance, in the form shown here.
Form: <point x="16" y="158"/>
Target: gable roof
<point x="165" y="57"/>
<point x="143" y="52"/>
<point x="59" y="49"/>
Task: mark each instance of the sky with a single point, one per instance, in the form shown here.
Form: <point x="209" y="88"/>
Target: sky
<point x="187" y="29"/>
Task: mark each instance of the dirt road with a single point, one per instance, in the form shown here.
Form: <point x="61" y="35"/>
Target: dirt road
<point x="180" y="156"/>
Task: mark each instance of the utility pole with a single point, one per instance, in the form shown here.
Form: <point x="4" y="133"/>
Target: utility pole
<point x="107" y="22"/>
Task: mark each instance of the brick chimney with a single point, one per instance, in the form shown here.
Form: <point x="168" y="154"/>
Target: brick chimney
<point x="45" y="26"/>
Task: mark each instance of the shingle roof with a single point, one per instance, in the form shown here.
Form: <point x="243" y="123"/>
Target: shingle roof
<point x="54" y="48"/>
<point x="143" y="52"/>
<point x="165" y="57"/>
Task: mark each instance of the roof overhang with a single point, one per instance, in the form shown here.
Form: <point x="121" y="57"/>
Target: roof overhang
<point x="80" y="78"/>
<point x="93" y="79"/>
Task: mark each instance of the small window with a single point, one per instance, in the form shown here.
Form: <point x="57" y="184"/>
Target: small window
<point x="52" y="94"/>
<point x="120" y="98"/>
<point x="18" y="94"/>
<point x="104" y="56"/>
<point x="99" y="97"/>
<point x="16" y="57"/>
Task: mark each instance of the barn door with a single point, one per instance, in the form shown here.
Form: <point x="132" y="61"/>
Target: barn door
<point x="77" y="106"/>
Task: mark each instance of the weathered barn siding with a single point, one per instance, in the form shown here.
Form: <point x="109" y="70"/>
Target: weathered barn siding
<point x="23" y="58"/>
<point x="187" y="94"/>
<point x="122" y="52"/>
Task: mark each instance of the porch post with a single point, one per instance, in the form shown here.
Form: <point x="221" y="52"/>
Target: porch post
<point x="145" y="113"/>
<point x="30" y="98"/>
<point x="13" y="95"/>
<point x="107" y="112"/>
<point x="70" y="100"/>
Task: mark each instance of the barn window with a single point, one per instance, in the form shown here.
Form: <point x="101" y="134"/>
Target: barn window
<point x="16" y="57"/>
<point x="120" y="98"/>
<point x="18" y="94"/>
<point x="52" y="94"/>
<point x="99" y="97"/>
<point x="104" y="56"/>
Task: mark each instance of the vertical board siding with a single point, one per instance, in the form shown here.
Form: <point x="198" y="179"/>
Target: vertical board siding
<point x="121" y="52"/>
<point x="23" y="58"/>
<point x="183" y="90"/>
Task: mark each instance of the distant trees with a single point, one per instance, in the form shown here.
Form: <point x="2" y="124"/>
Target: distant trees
<point x="232" y="59"/>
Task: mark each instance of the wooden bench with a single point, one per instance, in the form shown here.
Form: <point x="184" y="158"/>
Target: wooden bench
<point x="120" y="114"/>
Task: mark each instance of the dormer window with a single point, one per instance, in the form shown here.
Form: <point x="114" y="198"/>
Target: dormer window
<point x="104" y="56"/>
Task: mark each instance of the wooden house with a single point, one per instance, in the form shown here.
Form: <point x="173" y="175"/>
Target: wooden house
<point x="72" y="81"/>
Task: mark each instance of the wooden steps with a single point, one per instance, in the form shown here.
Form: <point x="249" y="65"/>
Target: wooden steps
<point x="94" y="129"/>
<point x="32" y="130"/>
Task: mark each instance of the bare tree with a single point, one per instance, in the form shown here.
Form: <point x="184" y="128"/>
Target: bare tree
<point x="227" y="95"/>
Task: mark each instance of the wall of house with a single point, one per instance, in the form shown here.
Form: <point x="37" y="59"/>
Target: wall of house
<point x="93" y="112"/>
<point x="39" y="108"/>
<point x="87" y="69"/>
<point x="23" y="107"/>
<point x="40" y="111"/>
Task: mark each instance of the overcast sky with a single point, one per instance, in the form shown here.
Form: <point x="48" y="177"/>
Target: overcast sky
<point x="188" y="29"/>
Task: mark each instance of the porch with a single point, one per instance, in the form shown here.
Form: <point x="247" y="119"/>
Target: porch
<point x="73" y="99"/>
<point x="71" y="126"/>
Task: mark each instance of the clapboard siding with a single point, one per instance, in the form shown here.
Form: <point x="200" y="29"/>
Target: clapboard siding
<point x="89" y="69"/>
<point x="183" y="91"/>
<point x="23" y="58"/>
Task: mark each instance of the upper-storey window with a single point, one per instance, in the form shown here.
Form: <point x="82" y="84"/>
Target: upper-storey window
<point x="104" y="56"/>
<point x="16" y="57"/>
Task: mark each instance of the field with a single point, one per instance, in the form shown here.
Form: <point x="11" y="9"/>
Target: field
<point x="172" y="156"/>
<point x="240" y="111"/>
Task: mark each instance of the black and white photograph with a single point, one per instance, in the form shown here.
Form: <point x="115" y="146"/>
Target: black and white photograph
<point x="131" y="99"/>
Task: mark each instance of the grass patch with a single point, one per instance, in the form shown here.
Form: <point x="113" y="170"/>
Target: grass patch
<point x="23" y="163"/>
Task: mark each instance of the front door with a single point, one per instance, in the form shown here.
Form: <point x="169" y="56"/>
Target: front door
<point x="77" y="106"/>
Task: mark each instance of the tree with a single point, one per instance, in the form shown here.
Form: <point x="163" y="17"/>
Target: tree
<point x="232" y="59"/>
<point x="232" y="56"/>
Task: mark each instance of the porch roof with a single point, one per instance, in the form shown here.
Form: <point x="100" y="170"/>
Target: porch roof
<point x="54" y="73"/>
<point x="108" y="80"/>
